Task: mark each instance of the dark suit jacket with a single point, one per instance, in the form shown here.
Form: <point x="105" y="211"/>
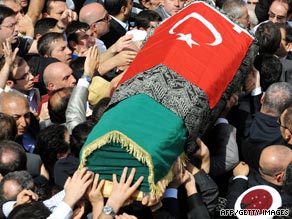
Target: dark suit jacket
<point x="238" y="186"/>
<point x="286" y="75"/>
<point x="116" y="31"/>
<point x="264" y="131"/>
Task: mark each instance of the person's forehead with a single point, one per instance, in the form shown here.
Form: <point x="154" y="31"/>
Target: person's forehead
<point x="279" y="7"/>
<point x="15" y="106"/>
<point x="59" y="43"/>
<point x="15" y="6"/>
<point x="10" y="19"/>
<point x="57" y="5"/>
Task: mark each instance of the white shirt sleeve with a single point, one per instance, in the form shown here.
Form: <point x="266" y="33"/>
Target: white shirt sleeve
<point x="63" y="211"/>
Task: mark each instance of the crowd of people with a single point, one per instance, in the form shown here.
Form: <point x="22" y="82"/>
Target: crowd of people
<point x="60" y="62"/>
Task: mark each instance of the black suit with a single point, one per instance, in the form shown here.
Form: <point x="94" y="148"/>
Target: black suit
<point x="286" y="75"/>
<point x="116" y="31"/>
<point x="238" y="186"/>
<point x="264" y="131"/>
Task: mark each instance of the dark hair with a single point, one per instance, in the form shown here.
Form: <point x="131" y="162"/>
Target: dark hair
<point x="44" y="44"/>
<point x="144" y="18"/>
<point x="270" y="68"/>
<point x="99" y="108"/>
<point x="50" y="143"/>
<point x="72" y="28"/>
<point x="22" y="178"/>
<point x="79" y="136"/>
<point x="57" y="108"/>
<point x="288" y="30"/>
<point x="8" y="126"/>
<point x="5" y="12"/>
<point x="44" y="25"/>
<point x="113" y="7"/>
<point x="77" y="66"/>
<point x="32" y="210"/>
<point x="17" y="153"/>
<point x="269" y="37"/>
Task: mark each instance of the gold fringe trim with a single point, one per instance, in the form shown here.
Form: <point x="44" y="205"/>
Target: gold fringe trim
<point x="132" y="148"/>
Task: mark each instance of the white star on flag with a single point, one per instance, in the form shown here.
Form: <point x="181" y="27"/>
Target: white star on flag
<point x="187" y="38"/>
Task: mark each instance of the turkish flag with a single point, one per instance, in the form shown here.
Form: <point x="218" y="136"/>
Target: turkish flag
<point x="198" y="43"/>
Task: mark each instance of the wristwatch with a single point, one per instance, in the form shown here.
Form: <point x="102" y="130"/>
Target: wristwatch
<point x="87" y="78"/>
<point x="108" y="210"/>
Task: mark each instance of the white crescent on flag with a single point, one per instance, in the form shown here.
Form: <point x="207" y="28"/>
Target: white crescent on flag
<point x="188" y="37"/>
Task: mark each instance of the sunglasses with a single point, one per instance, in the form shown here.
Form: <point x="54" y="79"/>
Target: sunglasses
<point x="106" y="18"/>
<point x="279" y="17"/>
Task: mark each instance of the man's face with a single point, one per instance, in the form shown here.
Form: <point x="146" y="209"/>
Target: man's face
<point x="102" y="23"/>
<point x="23" y="77"/>
<point x="129" y="9"/>
<point x="283" y="49"/>
<point x="19" y="110"/>
<point x="173" y="6"/>
<point x="61" y="51"/>
<point x="65" y="78"/>
<point x="16" y="7"/>
<point x="56" y="9"/>
<point x="23" y="3"/>
<point x="244" y="19"/>
<point x="84" y="41"/>
<point x="9" y="30"/>
<point x="278" y="12"/>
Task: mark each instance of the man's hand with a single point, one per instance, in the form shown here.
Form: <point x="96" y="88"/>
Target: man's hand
<point x="123" y="43"/>
<point x="67" y="17"/>
<point x="76" y="186"/>
<point x="122" y="191"/>
<point x="203" y="154"/>
<point x="179" y="176"/>
<point x="252" y="81"/>
<point x="91" y="63"/>
<point x="241" y="169"/>
<point x="124" y="58"/>
<point x="26" y="196"/>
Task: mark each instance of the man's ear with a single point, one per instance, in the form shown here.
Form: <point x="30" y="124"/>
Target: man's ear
<point x="10" y="83"/>
<point x="289" y="46"/>
<point x="280" y="177"/>
<point x="46" y="15"/>
<point x="123" y="9"/>
<point x="72" y="44"/>
<point x="287" y="134"/>
<point x="50" y="86"/>
<point x="262" y="99"/>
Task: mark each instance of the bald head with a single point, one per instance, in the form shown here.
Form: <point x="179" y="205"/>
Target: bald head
<point x="274" y="160"/>
<point x="58" y="75"/>
<point x="91" y="12"/>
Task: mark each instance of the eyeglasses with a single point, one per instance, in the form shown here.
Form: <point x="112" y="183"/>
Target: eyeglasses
<point x="273" y="15"/>
<point x="280" y="124"/>
<point x="251" y="3"/>
<point x="106" y="18"/>
<point x="25" y="76"/>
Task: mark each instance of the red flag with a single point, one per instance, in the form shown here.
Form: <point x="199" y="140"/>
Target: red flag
<point x="198" y="43"/>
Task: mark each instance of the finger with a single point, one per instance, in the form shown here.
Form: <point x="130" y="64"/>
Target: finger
<point x="135" y="186"/>
<point x="124" y="174"/>
<point x="67" y="181"/>
<point x="95" y="181"/>
<point x="115" y="179"/>
<point x="100" y="185"/>
<point x="131" y="176"/>
<point x="15" y="53"/>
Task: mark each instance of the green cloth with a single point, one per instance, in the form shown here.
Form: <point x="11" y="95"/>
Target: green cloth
<point x="137" y="132"/>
